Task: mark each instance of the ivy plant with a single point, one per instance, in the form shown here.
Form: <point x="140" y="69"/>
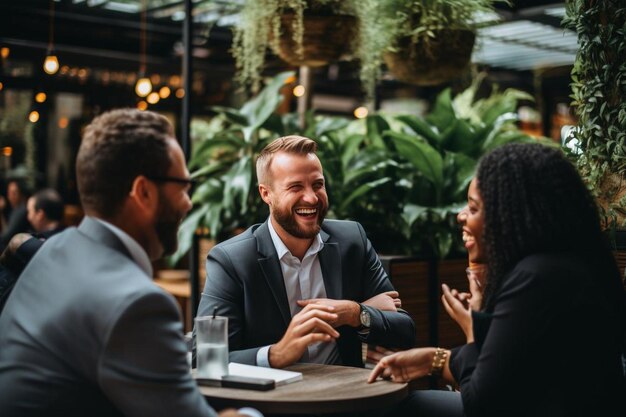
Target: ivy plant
<point x="385" y="23"/>
<point x="598" y="91"/>
<point x="259" y="27"/>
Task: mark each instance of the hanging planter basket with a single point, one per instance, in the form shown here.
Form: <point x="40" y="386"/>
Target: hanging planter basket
<point x="325" y="39"/>
<point x="436" y="61"/>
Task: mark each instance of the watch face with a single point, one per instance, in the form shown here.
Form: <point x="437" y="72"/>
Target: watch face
<point x="365" y="318"/>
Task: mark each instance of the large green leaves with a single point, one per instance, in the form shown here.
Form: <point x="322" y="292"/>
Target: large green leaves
<point x="436" y="158"/>
<point x="424" y="157"/>
<point x="223" y="163"/>
<point x="403" y="177"/>
<point x="260" y="108"/>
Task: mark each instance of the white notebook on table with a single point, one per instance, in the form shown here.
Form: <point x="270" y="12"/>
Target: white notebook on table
<point x="280" y="376"/>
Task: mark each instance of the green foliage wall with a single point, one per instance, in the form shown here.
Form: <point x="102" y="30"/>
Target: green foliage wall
<point x="599" y="93"/>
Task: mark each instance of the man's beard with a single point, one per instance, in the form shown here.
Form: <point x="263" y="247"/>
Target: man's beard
<point x="287" y="220"/>
<point x="167" y="225"/>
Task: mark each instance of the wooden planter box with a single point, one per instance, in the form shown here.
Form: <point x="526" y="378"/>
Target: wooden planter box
<point x="419" y="283"/>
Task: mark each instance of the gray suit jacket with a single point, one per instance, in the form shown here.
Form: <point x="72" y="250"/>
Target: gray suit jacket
<point x="86" y="333"/>
<point x="245" y="282"/>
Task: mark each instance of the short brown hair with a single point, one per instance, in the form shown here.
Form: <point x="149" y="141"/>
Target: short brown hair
<point x="293" y="144"/>
<point x="118" y="146"/>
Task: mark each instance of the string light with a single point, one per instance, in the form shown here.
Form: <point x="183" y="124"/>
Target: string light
<point x="165" y="92"/>
<point x="360" y="112"/>
<point x="63" y="122"/>
<point x="40" y="97"/>
<point x="33" y="116"/>
<point x="299" y="90"/>
<point x="153" y="98"/>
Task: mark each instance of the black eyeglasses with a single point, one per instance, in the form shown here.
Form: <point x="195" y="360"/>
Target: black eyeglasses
<point x="185" y="181"/>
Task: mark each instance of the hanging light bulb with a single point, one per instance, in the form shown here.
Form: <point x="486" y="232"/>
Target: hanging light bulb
<point x="51" y="64"/>
<point x="143" y="87"/>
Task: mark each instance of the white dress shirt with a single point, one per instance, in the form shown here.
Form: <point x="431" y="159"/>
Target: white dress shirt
<point x="303" y="281"/>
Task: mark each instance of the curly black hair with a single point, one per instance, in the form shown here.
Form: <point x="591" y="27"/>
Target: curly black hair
<point x="535" y="201"/>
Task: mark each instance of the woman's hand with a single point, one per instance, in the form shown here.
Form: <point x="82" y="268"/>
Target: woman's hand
<point x="404" y="366"/>
<point x="458" y="307"/>
<point x="374" y="355"/>
<point x="476" y="279"/>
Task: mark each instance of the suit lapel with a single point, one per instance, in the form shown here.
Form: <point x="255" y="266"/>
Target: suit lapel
<point x="270" y="266"/>
<point x="330" y="262"/>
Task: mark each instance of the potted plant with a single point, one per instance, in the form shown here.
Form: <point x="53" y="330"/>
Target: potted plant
<point x="429" y="162"/>
<point x="301" y="32"/>
<point x="423" y="42"/>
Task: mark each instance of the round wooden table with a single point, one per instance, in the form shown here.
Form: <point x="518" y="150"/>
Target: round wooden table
<point x="323" y="389"/>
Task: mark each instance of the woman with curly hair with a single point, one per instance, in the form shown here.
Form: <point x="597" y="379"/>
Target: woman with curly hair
<point x="549" y="334"/>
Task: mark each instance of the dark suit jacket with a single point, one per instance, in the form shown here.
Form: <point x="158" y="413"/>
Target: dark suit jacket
<point x="13" y="266"/>
<point x="245" y="282"/>
<point x="86" y="333"/>
<point x="16" y="223"/>
<point x="550" y="346"/>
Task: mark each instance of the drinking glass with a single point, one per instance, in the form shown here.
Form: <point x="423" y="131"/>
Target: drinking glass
<point x="211" y="346"/>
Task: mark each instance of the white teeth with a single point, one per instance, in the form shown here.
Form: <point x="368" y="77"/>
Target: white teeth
<point x="467" y="237"/>
<point x="306" y="211"/>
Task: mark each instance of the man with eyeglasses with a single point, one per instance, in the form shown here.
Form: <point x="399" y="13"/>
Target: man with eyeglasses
<point x="85" y="332"/>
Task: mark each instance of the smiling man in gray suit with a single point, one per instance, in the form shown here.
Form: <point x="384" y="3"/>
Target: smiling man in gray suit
<point x="299" y="288"/>
<point x="85" y="332"/>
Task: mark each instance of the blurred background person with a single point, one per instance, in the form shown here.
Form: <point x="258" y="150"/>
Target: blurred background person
<point x="45" y="213"/>
<point x="21" y="248"/>
<point x="16" y="220"/>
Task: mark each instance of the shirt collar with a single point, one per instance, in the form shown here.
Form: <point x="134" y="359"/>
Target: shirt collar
<point x="316" y="246"/>
<point x="136" y="251"/>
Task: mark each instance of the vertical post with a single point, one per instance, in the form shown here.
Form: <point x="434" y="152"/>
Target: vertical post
<point x="304" y="101"/>
<point x="187" y="81"/>
<point x="194" y="280"/>
<point x="433" y="307"/>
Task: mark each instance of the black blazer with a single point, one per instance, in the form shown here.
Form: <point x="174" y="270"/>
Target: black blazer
<point x="551" y="346"/>
<point x="245" y="282"/>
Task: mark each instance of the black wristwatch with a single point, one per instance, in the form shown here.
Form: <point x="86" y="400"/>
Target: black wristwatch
<point x="364" y="317"/>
